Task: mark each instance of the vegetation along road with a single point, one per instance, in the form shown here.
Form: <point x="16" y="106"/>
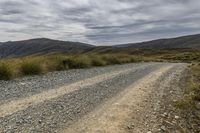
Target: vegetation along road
<point x="112" y="99"/>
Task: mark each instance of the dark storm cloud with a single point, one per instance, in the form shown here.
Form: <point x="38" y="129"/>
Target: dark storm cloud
<point x="98" y="21"/>
<point x="10" y="8"/>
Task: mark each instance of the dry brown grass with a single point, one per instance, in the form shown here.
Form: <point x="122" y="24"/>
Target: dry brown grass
<point x="30" y="65"/>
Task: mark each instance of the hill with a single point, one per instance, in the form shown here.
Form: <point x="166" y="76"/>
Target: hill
<point x="39" y="46"/>
<point x="45" y="46"/>
<point x="191" y="41"/>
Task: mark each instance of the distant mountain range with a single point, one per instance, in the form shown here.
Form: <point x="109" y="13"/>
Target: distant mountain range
<point x="191" y="41"/>
<point x="44" y="45"/>
<point x="40" y="46"/>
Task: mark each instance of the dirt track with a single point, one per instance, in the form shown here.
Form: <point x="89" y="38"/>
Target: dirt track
<point x="123" y="99"/>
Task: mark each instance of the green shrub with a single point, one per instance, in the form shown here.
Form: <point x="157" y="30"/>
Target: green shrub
<point x="98" y="61"/>
<point x="184" y="103"/>
<point x="5" y="71"/>
<point x="77" y="62"/>
<point x="110" y="59"/>
<point x="56" y="63"/>
<point x="118" y="59"/>
<point x="30" y="68"/>
<point x="196" y="97"/>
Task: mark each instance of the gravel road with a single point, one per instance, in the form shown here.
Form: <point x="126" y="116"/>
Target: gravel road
<point x="55" y="101"/>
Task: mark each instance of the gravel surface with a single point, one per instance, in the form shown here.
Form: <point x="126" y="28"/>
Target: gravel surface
<point x="154" y="108"/>
<point x="27" y="86"/>
<point x="50" y="115"/>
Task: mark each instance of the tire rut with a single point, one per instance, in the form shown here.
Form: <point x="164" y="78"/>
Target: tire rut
<point x="21" y="104"/>
<point x="51" y="114"/>
<point x="110" y="117"/>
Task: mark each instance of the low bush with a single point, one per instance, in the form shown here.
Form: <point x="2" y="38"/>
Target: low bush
<point x="77" y="62"/>
<point x="30" y="68"/>
<point x="5" y="71"/>
<point x="98" y="61"/>
<point x="111" y="59"/>
<point x="55" y="63"/>
<point x="31" y="65"/>
<point x="184" y="103"/>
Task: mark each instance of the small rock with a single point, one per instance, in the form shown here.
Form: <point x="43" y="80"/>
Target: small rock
<point x="163" y="128"/>
<point x="165" y="114"/>
<point x="130" y="126"/>
<point x="174" y="100"/>
<point x="40" y="121"/>
<point x="176" y="117"/>
<point x="22" y="83"/>
<point x="198" y="105"/>
<point x="149" y="132"/>
<point x="29" y="117"/>
<point x="19" y="122"/>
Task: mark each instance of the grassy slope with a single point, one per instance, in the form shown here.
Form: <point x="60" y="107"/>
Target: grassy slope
<point x="190" y="41"/>
<point x="101" y="56"/>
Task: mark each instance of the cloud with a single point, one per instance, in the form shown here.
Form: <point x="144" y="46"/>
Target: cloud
<point x="98" y="21"/>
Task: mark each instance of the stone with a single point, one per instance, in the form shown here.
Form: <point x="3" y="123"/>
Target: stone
<point x="176" y="117"/>
<point x="131" y="126"/>
<point x="163" y="128"/>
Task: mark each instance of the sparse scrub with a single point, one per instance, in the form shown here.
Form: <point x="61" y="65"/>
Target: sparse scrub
<point x="185" y="102"/>
<point x="55" y="63"/>
<point x="98" y="61"/>
<point x="98" y="57"/>
<point x="5" y="71"/>
<point x="77" y="62"/>
<point x="191" y="97"/>
<point x="30" y="68"/>
<point x="110" y="59"/>
<point x="192" y="91"/>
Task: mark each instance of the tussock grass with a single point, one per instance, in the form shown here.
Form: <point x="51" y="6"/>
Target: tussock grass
<point x="188" y="103"/>
<point x="75" y="62"/>
<point x="98" y="61"/>
<point x="38" y="64"/>
<point x="192" y="91"/>
<point x="30" y="68"/>
<point x="5" y="71"/>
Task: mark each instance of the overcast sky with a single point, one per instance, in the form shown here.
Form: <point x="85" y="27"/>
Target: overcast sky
<point x="99" y="22"/>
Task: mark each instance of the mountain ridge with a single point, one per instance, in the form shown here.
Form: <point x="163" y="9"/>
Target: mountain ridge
<point x="189" y="41"/>
<point x="40" y="45"/>
<point x="46" y="45"/>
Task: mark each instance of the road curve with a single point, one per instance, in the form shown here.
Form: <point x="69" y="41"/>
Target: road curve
<point x="74" y="96"/>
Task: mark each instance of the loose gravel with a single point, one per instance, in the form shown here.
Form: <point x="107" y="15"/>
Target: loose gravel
<point x="153" y="109"/>
<point x="23" y="87"/>
<point x="52" y="115"/>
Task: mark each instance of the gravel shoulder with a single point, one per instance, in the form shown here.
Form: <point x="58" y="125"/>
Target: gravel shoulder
<point x="68" y="99"/>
